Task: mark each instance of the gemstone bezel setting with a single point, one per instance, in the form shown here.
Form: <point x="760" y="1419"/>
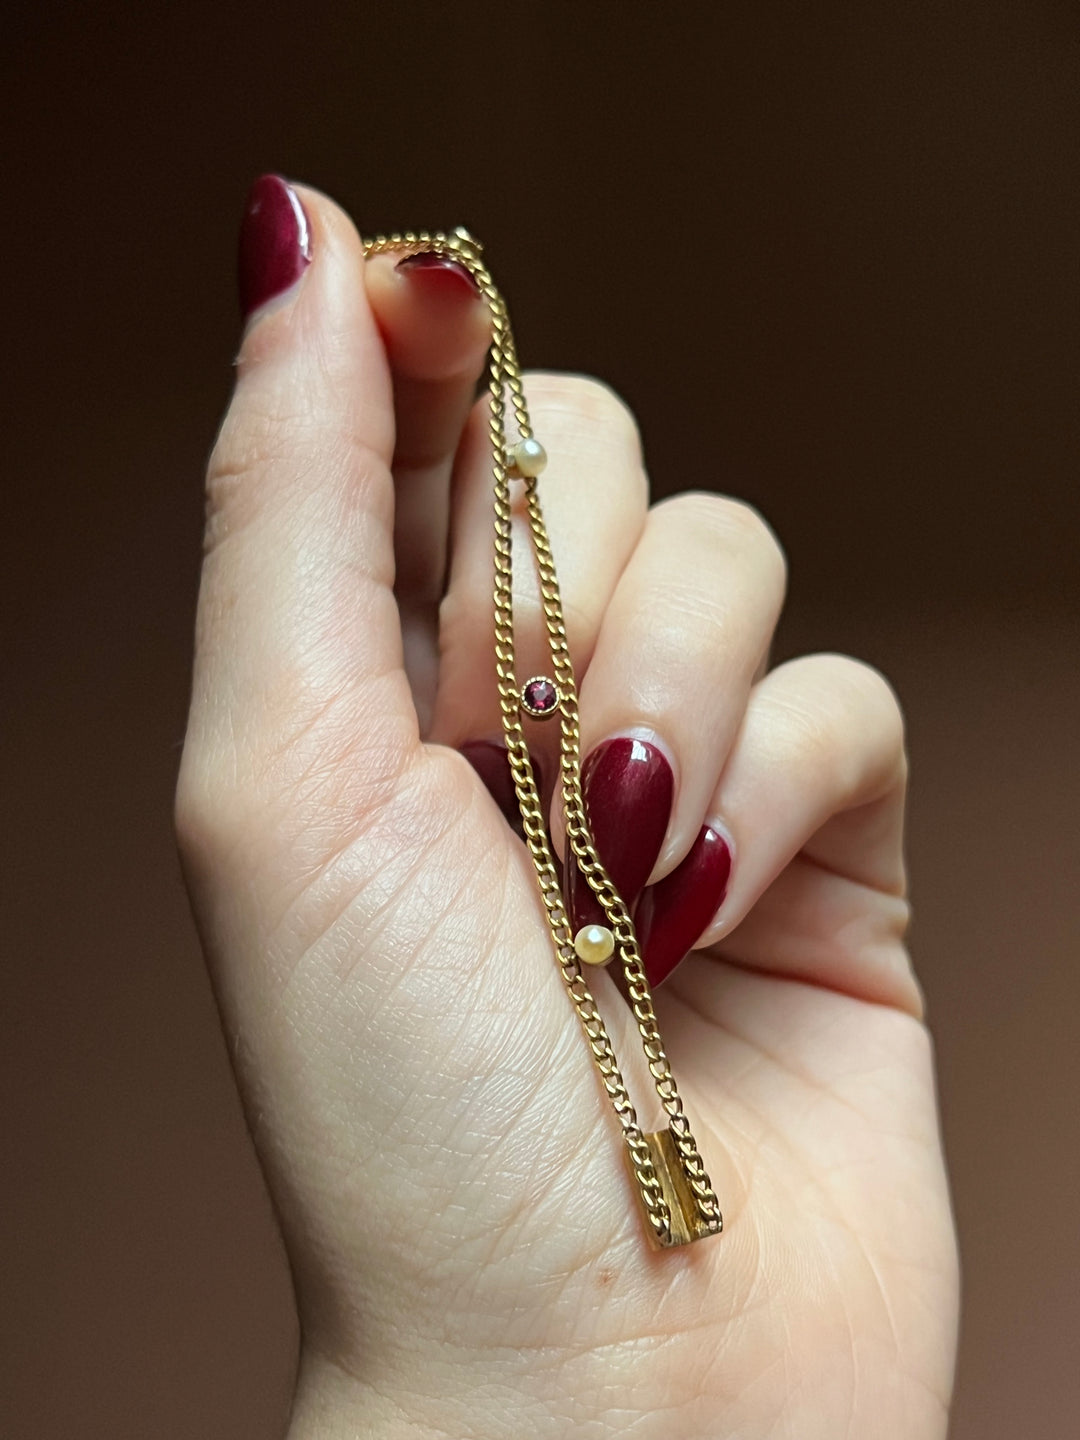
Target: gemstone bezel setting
<point x="540" y="697"/>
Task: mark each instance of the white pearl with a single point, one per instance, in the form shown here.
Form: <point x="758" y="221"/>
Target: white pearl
<point x="528" y="458"/>
<point x="594" y="944"/>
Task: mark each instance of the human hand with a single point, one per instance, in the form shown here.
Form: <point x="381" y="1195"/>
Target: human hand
<point x="467" y="1253"/>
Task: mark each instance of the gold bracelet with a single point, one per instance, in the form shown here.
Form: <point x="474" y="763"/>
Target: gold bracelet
<point x="676" y="1196"/>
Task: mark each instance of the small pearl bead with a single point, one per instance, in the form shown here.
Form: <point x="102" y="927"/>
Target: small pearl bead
<point x="528" y="458"/>
<point x="594" y="944"/>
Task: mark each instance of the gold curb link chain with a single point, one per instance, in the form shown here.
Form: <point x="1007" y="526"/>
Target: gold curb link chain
<point x="675" y="1193"/>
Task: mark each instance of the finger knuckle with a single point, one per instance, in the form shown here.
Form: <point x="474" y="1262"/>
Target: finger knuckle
<point x="869" y="700"/>
<point x="878" y="698"/>
<point x="731" y="525"/>
<point x="581" y="404"/>
<point x="749" y="525"/>
<point x="276" y="452"/>
<point x="249" y="445"/>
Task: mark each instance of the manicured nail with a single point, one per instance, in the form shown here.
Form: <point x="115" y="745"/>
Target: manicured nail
<point x="628" y="786"/>
<point x="492" y="763"/>
<point x="275" y="243"/>
<point x="675" y="912"/>
<point x="440" y="274"/>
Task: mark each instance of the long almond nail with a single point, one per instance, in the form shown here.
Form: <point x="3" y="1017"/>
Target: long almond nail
<point x="674" y="913"/>
<point x="275" y="243"/>
<point x="628" y="786"/>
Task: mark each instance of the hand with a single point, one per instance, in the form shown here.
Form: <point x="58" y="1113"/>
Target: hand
<point x="467" y="1252"/>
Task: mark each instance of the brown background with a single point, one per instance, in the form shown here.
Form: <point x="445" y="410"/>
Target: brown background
<point x="830" y="254"/>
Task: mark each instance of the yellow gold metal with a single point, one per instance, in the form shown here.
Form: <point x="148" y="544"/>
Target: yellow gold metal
<point x="687" y="1222"/>
<point x="676" y="1196"/>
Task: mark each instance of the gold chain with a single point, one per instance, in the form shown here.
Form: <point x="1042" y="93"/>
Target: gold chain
<point x="676" y="1196"/>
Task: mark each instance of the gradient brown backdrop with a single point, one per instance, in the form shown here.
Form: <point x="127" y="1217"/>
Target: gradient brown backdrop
<point x="829" y="252"/>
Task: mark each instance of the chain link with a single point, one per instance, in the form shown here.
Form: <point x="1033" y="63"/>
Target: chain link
<point x="505" y="385"/>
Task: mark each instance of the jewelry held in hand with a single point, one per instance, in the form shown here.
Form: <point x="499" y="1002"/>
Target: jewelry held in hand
<point x="676" y="1196"/>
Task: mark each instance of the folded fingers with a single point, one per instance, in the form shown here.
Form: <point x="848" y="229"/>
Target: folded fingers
<point x="704" y="777"/>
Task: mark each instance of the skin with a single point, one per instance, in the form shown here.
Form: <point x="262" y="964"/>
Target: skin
<point x="467" y="1254"/>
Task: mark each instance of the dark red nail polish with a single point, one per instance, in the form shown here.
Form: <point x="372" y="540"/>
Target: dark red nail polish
<point x="492" y="763"/>
<point x="628" y="787"/>
<point x="275" y="242"/>
<point x="676" y="911"/>
<point x="441" y="274"/>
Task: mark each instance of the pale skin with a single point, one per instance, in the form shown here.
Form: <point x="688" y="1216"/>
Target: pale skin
<point x="467" y="1253"/>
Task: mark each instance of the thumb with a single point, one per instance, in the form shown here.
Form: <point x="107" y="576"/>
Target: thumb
<point x="298" y="665"/>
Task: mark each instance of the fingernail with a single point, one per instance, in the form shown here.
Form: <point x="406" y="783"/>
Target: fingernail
<point x="492" y="763"/>
<point x="675" y="912"/>
<point x="275" y="243"/>
<point x="628" y="786"/>
<point x="440" y="274"/>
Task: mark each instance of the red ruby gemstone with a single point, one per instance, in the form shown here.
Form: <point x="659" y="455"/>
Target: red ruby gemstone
<point x="540" y="696"/>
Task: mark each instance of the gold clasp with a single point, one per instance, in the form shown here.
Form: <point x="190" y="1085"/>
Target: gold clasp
<point x="687" y="1221"/>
